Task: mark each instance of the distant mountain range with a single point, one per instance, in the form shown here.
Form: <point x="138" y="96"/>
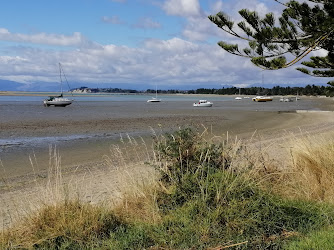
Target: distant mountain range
<point x="10" y="85"/>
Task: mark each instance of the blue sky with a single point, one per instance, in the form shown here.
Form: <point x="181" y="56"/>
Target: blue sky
<point x="127" y="44"/>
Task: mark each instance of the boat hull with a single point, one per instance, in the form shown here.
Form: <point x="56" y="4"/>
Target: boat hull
<point x="58" y="102"/>
<point x="262" y="99"/>
<point x="203" y="103"/>
<point x="154" y="100"/>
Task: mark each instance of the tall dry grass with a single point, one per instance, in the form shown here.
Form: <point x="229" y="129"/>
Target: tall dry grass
<point x="18" y="204"/>
<point x="133" y="158"/>
<point x="68" y="221"/>
<point x="57" y="211"/>
<point x="311" y="173"/>
<point x="47" y="211"/>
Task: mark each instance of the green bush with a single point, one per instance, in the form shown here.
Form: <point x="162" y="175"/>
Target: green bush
<point x="187" y="153"/>
<point x="227" y="205"/>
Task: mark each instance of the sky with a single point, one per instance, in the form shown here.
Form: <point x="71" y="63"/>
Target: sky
<point x="137" y="44"/>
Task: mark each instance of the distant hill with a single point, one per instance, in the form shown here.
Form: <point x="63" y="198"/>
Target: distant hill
<point x="6" y="85"/>
<point x="10" y="85"/>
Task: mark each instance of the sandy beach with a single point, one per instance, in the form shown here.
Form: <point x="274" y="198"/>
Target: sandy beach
<point x="84" y="134"/>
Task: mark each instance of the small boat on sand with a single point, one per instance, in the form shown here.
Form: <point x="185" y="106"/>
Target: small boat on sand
<point x="262" y="99"/>
<point x="203" y="103"/>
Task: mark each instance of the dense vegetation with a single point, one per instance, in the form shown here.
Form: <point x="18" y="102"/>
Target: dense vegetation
<point x="309" y="90"/>
<point x="209" y="195"/>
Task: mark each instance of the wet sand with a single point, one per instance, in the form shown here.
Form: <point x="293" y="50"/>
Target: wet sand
<point x="84" y="132"/>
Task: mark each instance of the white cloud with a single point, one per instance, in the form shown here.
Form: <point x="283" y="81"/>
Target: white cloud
<point x="320" y="52"/>
<point x="182" y="7"/>
<point x="43" y="38"/>
<point x="216" y="6"/>
<point x="175" y="45"/>
<point x="173" y="63"/>
<point x="199" y="28"/>
<point x="232" y="8"/>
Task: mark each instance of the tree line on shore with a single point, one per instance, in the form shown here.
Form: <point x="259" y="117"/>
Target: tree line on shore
<point x="308" y="90"/>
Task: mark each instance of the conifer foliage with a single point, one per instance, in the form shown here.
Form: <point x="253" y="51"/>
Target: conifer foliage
<point x="301" y="28"/>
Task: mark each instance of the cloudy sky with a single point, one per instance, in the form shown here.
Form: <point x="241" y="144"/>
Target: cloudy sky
<point x="127" y="44"/>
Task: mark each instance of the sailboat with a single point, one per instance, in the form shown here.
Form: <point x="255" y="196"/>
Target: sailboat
<point x="238" y="97"/>
<point x="155" y="99"/>
<point x="60" y="100"/>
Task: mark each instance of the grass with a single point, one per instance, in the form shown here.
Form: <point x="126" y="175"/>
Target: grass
<point x="206" y="193"/>
<point x="70" y="223"/>
<point x="322" y="239"/>
<point x="313" y="164"/>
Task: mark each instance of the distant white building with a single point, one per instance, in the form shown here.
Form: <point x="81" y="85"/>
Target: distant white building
<point x="82" y="90"/>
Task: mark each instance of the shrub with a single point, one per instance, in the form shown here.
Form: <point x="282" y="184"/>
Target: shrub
<point x="208" y="200"/>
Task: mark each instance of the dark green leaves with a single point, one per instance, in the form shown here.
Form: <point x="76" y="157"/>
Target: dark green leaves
<point x="298" y="31"/>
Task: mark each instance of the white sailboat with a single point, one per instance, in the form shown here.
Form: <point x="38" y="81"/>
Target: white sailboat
<point x="60" y="100"/>
<point x="238" y="97"/>
<point x="155" y="99"/>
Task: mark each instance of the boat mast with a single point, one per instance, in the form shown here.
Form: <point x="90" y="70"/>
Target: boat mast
<point x="61" y="81"/>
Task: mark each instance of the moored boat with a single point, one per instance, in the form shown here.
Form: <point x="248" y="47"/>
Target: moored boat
<point x="57" y="101"/>
<point x="60" y="100"/>
<point x="155" y="99"/>
<point x="203" y="103"/>
<point x="262" y="99"/>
